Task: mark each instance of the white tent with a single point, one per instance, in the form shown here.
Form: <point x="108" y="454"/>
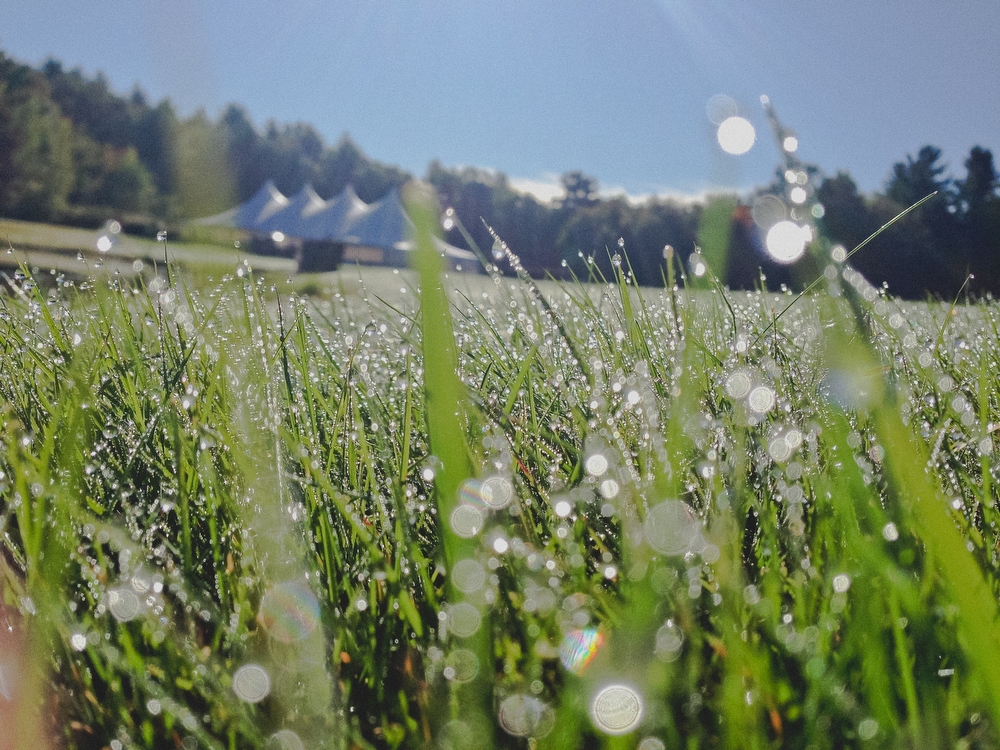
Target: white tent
<point x="337" y="213"/>
<point x="265" y="203"/>
<point x="379" y="233"/>
<point x="292" y="219"/>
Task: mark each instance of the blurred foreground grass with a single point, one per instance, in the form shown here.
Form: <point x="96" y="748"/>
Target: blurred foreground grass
<point x="569" y="517"/>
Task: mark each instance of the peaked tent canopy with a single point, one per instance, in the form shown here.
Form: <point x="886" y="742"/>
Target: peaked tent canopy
<point x="265" y="203"/>
<point x="385" y="225"/>
<point x="337" y="213"/>
<point x="292" y="219"/>
<point x="379" y="233"/>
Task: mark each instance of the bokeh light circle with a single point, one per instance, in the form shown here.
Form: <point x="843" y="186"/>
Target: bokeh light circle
<point x="786" y="241"/>
<point x="468" y="575"/>
<point x="124" y="604"/>
<point x="463" y="619"/>
<point x="768" y="210"/>
<point x="284" y="739"/>
<point x="720" y="108"/>
<point x="736" y="135"/>
<point x="498" y="492"/>
<point x="669" y="641"/>
<point x="466" y="520"/>
<point x="251" y="683"/>
<point x="672" y="528"/>
<point x="525" y="716"/>
<point x="761" y="399"/>
<point x="738" y="384"/>
<point x="617" y="709"/>
<point x="461" y="665"/>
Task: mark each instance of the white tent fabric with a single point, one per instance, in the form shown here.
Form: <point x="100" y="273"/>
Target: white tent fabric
<point x="265" y="203"/>
<point x="338" y="212"/>
<point x="293" y="218"/>
<point x="384" y="224"/>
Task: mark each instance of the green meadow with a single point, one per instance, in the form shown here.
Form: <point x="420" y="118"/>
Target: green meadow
<point x="414" y="509"/>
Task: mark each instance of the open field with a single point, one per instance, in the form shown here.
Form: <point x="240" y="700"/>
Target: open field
<point x="71" y="250"/>
<point x="518" y="515"/>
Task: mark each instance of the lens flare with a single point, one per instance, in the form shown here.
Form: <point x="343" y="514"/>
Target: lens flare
<point x="736" y="135"/>
<point x="289" y="612"/>
<point x="579" y="647"/>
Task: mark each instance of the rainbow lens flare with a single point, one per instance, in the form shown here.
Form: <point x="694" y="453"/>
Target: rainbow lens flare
<point x="579" y="648"/>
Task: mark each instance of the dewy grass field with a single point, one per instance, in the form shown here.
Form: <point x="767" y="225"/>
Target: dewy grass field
<point x="551" y="518"/>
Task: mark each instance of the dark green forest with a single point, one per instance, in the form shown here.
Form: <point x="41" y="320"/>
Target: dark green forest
<point x="73" y="151"/>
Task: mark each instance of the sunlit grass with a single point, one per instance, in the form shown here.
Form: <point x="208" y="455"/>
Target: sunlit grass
<point x="565" y="516"/>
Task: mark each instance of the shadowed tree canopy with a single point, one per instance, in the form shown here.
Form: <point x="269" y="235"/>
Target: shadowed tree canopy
<point x="581" y="190"/>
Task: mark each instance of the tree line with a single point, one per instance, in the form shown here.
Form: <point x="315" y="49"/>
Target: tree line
<point x="73" y="151"/>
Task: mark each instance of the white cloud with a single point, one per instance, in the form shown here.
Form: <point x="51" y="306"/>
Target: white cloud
<point x="546" y="188"/>
<point x="549" y="187"/>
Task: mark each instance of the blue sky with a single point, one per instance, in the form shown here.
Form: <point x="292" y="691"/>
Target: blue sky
<point x="614" y="88"/>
